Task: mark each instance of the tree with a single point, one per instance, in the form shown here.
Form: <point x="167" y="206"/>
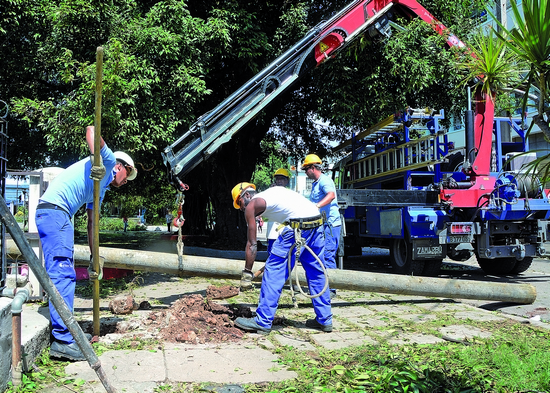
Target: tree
<point x="168" y="62"/>
<point x="529" y="39"/>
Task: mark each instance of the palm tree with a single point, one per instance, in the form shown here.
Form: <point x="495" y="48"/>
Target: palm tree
<point x="518" y="61"/>
<point x="530" y="41"/>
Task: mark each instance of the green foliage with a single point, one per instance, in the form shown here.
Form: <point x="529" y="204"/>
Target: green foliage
<point x="272" y="159"/>
<point x="530" y="41"/>
<point x="44" y="373"/>
<point x="106" y="224"/>
<point x="106" y="288"/>
<point x="491" y="64"/>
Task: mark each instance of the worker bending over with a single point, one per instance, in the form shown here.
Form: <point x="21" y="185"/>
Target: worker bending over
<point x="62" y="199"/>
<point x="283" y="205"/>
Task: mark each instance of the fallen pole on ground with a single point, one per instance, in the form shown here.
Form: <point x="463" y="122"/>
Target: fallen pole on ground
<point x="339" y="279"/>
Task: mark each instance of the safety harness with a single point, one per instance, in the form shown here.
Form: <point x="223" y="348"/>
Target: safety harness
<point x="298" y="225"/>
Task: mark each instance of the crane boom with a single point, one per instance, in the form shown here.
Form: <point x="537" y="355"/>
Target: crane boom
<point x="324" y="41"/>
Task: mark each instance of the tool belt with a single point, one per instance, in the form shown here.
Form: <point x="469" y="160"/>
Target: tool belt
<point x="305" y="223"/>
<point x="47" y="205"/>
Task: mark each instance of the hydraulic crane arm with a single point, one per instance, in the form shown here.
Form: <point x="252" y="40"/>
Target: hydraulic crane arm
<point x="324" y="41"/>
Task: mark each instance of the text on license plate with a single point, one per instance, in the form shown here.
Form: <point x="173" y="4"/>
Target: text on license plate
<point x="458" y="239"/>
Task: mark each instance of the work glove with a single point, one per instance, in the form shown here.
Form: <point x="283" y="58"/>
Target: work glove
<point x="97" y="172"/>
<point x="246" y="280"/>
<point x="92" y="274"/>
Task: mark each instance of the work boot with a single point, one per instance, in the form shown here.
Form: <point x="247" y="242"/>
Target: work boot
<point x="313" y="324"/>
<point x="66" y="351"/>
<point x="246" y="280"/>
<point x="250" y="325"/>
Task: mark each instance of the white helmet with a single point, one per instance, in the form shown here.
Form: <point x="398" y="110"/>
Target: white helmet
<point x="127" y="161"/>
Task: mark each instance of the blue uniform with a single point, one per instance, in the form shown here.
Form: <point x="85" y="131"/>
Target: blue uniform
<point x="282" y="204"/>
<point x="65" y="195"/>
<point x="319" y="189"/>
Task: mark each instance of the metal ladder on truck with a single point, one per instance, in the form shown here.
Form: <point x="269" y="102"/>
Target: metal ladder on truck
<point x="395" y="151"/>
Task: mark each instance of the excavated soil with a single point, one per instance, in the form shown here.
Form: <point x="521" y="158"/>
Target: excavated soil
<point x="191" y="319"/>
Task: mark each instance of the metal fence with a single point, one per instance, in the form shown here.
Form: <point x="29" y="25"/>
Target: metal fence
<point x="4" y="109"/>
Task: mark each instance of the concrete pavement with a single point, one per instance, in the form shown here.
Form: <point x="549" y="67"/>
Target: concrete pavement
<point x="359" y="318"/>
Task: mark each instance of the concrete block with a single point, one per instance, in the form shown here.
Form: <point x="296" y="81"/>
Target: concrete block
<point x="35" y="332"/>
<point x="5" y="342"/>
<point x="35" y="336"/>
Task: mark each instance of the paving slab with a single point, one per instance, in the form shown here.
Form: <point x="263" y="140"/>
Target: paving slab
<point x="393" y="308"/>
<point x="352" y="312"/>
<point x="298" y="343"/>
<point x="415" y="338"/>
<point x="418" y="318"/>
<point x="437" y="306"/>
<point x="221" y="365"/>
<point x="478" y="316"/>
<point x="462" y="332"/>
<point x="340" y="340"/>
<point x="368" y="322"/>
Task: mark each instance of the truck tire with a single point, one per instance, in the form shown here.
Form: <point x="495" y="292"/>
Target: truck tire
<point x="497" y="267"/>
<point x="455" y="163"/>
<point x="432" y="267"/>
<point x="522" y="265"/>
<point x="401" y="258"/>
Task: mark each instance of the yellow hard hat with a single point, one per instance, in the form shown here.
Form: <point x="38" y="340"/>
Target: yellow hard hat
<point x="311" y="159"/>
<point x="237" y="191"/>
<point x="282" y="172"/>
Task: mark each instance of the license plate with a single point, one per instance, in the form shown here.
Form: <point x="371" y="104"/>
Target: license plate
<point x="429" y="252"/>
<point x="459" y="239"/>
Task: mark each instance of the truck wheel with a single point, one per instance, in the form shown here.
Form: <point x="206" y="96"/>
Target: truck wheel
<point x="432" y="267"/>
<point x="401" y="258"/>
<point x="455" y="163"/>
<point x="497" y="267"/>
<point x="522" y="265"/>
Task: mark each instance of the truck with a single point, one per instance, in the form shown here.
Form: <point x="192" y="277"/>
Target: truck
<point x="441" y="213"/>
<point x="403" y="187"/>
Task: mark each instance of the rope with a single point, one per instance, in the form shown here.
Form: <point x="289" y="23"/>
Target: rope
<point x="299" y="243"/>
<point x="178" y="221"/>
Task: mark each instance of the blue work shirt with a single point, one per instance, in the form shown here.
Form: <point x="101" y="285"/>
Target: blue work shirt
<point x="73" y="187"/>
<point x="319" y="189"/>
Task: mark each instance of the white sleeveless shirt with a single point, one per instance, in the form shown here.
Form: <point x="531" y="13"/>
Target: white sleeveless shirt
<point x="283" y="204"/>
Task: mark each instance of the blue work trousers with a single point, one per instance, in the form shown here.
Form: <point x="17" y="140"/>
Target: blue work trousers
<point x="332" y="238"/>
<point x="276" y="274"/>
<point x="57" y="237"/>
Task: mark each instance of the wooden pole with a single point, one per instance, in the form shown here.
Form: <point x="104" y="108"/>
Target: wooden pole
<point x="97" y="162"/>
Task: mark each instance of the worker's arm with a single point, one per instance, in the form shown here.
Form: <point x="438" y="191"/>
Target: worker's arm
<point x="90" y="130"/>
<point x="326" y="200"/>
<point x="89" y="227"/>
<point x="254" y="208"/>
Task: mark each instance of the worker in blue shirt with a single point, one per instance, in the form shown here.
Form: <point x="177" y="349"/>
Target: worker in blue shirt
<point x="323" y="194"/>
<point x="56" y="207"/>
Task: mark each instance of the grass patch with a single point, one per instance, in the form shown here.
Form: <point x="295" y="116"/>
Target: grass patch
<point x="515" y="359"/>
<point x="106" y="288"/>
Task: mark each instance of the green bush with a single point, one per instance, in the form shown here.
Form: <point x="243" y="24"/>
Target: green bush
<point x="107" y="224"/>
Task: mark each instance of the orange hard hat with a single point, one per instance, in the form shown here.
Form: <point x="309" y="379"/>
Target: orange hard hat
<point x="311" y="159"/>
<point x="238" y="190"/>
